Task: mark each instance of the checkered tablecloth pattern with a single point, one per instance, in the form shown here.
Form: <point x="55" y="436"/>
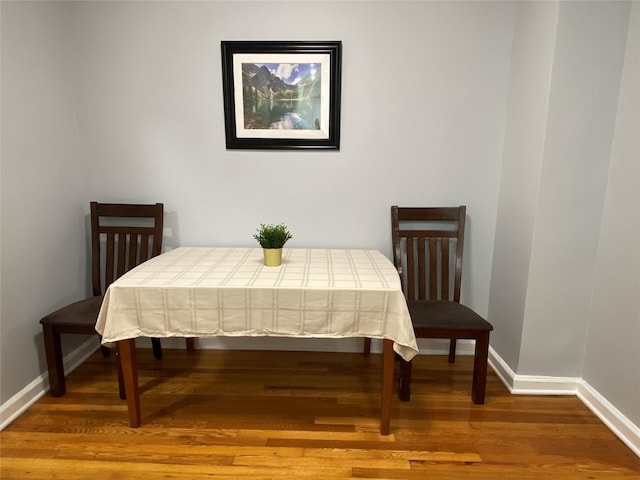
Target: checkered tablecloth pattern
<point x="214" y="291"/>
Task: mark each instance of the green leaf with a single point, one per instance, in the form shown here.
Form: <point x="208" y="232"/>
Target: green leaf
<point x="272" y="236"/>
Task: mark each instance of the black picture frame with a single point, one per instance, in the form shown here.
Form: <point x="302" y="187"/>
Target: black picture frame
<point x="282" y="94"/>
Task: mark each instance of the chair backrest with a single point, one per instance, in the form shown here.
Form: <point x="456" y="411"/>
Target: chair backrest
<point x="427" y="251"/>
<point x="131" y="234"/>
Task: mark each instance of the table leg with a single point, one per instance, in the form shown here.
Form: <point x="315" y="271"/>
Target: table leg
<point x="127" y="351"/>
<point x="387" y="386"/>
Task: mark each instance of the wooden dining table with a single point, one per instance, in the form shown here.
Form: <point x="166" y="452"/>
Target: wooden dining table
<point x="228" y="291"/>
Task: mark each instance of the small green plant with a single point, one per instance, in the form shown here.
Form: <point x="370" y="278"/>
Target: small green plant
<point x="272" y="236"/>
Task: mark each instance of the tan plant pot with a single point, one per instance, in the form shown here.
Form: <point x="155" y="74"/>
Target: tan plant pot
<point x="272" y="256"/>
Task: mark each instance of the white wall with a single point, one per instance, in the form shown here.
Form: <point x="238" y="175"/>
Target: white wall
<point x="565" y="79"/>
<point x="42" y="196"/>
<point x="612" y="353"/>
<point x="583" y="100"/>
<point x="423" y="118"/>
<point x="530" y="82"/>
<point x="566" y="269"/>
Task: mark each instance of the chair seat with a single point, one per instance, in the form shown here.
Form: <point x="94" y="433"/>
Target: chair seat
<point x="439" y="314"/>
<point x="83" y="313"/>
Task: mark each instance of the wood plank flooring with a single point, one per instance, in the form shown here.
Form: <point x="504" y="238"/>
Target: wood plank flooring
<point x="274" y="415"/>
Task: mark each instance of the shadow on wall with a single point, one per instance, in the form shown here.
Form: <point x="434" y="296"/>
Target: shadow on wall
<point x="171" y="233"/>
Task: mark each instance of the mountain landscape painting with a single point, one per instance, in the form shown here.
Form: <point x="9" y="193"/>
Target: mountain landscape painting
<point x="282" y="96"/>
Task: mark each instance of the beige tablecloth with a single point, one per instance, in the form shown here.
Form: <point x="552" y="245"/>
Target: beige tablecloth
<point x="206" y="292"/>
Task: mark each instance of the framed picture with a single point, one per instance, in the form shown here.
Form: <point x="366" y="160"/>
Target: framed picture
<point x="282" y="95"/>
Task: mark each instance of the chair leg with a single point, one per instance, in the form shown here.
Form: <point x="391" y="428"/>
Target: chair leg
<point x="405" y="381"/>
<point x="106" y="351"/>
<point x="121" y="391"/>
<point x="367" y="346"/>
<point x="53" y="350"/>
<point x="157" y="348"/>
<point x="480" y="369"/>
<point x="452" y="350"/>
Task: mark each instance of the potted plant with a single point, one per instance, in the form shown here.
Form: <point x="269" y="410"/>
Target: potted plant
<point x="272" y="238"/>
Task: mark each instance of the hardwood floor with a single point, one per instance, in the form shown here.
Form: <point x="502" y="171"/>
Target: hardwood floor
<point x="272" y="415"/>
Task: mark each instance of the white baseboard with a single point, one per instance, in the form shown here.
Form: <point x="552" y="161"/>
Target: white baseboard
<point x="618" y="423"/>
<point x="432" y="346"/>
<point x="427" y="346"/>
<point x="16" y="405"/>
<point x="269" y="343"/>
<point x="615" y="420"/>
<point x="502" y="370"/>
<point x="531" y="384"/>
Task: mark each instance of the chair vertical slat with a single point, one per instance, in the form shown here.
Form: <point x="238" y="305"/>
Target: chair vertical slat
<point x="144" y="247"/>
<point x="133" y="252"/>
<point x="411" y="276"/>
<point x="458" y="254"/>
<point x="422" y="287"/>
<point x="96" y="280"/>
<point x="397" y="244"/>
<point x="433" y="269"/>
<point x="109" y="258"/>
<point x="122" y="252"/>
<point x="446" y="280"/>
<point x="445" y="270"/>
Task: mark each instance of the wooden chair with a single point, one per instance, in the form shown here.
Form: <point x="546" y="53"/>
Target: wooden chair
<point x="427" y="251"/>
<point x="129" y="240"/>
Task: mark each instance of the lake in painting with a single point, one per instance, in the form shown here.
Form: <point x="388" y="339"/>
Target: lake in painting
<point x="284" y="96"/>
